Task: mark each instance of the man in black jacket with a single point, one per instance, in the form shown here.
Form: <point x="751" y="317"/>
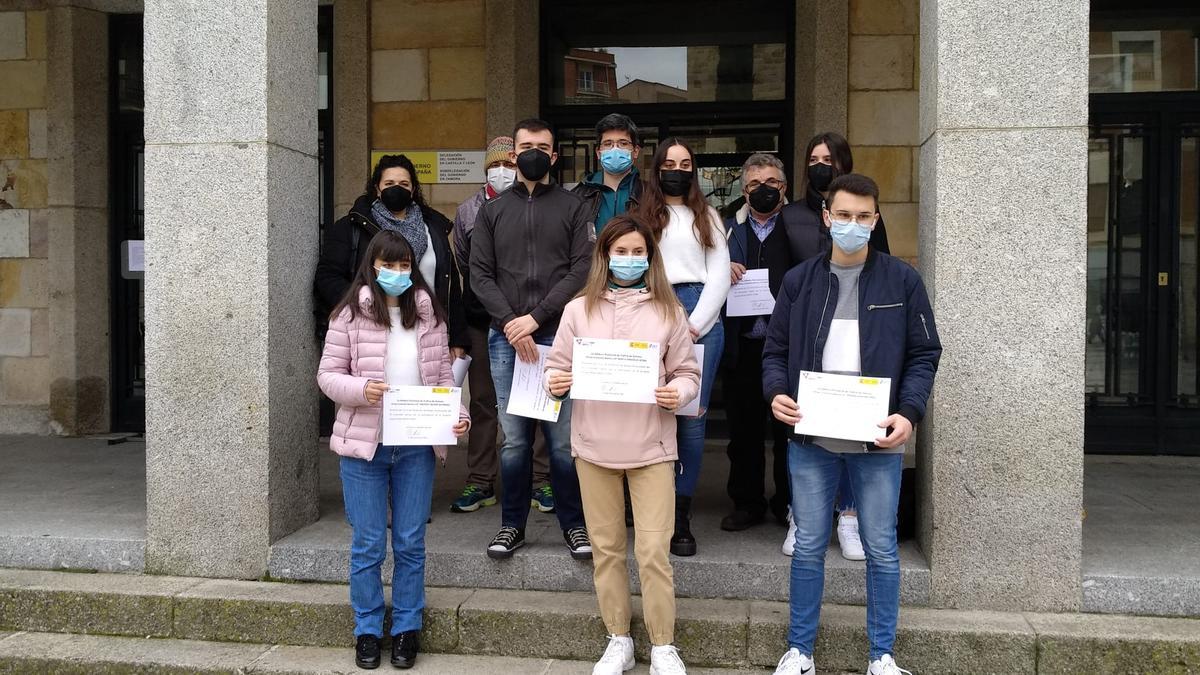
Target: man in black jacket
<point x="865" y="314"/>
<point x="530" y="254"/>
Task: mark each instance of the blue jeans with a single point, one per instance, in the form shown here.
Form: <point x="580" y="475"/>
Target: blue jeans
<point x="845" y="499"/>
<point x="689" y="431"/>
<point x="875" y="478"/>
<point x="516" y="455"/>
<point x="403" y="474"/>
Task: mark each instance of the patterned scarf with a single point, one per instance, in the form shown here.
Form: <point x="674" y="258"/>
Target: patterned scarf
<point x="411" y="226"/>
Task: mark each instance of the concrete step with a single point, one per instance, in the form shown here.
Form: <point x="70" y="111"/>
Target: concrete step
<point x="100" y="655"/>
<point x="549" y="626"/>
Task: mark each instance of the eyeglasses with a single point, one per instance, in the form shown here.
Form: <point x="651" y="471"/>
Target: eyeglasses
<point x="622" y="144"/>
<point x="770" y="182"/>
<point x="856" y="218"/>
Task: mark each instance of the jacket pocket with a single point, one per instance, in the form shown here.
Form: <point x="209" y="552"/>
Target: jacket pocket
<point x="892" y="305"/>
<point x="924" y="325"/>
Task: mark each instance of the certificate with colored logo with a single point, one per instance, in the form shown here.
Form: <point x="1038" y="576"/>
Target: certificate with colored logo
<point x="421" y="415"/>
<point x="622" y="371"/>
<point x="842" y="406"/>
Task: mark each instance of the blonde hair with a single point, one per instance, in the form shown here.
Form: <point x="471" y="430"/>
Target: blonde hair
<point x="661" y="293"/>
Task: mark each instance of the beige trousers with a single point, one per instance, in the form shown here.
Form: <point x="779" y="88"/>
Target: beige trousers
<point x="652" y="492"/>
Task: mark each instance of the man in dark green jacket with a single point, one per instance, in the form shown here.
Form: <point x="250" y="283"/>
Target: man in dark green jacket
<point x="617" y="187"/>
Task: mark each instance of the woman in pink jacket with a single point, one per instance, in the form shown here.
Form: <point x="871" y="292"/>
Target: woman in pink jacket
<point x="628" y="297"/>
<point x="387" y="331"/>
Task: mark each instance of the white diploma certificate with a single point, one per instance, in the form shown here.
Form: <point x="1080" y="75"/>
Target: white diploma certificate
<point x="623" y="371"/>
<point x="528" y="396"/>
<point x="692" y="409"/>
<point x="420" y="415"/>
<point x="842" y="406"/>
<point x="751" y="295"/>
<point x="459" y="369"/>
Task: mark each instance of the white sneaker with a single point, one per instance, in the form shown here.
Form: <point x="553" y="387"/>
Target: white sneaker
<point x="664" y="660"/>
<point x="618" y="656"/>
<point x="795" y="663"/>
<point x="789" y="542"/>
<point x="847" y="533"/>
<point x="886" y="666"/>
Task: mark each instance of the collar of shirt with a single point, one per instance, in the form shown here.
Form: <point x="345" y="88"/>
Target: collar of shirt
<point x="763" y="230"/>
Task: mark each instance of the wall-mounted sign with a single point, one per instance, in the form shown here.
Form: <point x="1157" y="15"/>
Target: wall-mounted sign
<point x="441" y="166"/>
<point x="133" y="259"/>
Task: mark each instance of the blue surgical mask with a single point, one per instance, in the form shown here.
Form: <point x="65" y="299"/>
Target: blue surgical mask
<point x="392" y="282"/>
<point x="849" y="235"/>
<point x="616" y="160"/>
<point x="628" y="267"/>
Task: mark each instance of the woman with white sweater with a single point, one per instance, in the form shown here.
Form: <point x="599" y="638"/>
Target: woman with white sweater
<point x="691" y="241"/>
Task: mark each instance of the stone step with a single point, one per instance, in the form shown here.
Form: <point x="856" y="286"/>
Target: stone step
<point x="26" y="652"/>
<point x="545" y="625"/>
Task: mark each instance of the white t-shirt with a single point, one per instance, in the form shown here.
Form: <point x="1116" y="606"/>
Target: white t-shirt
<point x="688" y="262"/>
<point x="428" y="262"/>
<point x="402" y="366"/>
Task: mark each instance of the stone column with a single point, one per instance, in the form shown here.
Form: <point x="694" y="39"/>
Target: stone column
<point x="351" y="100"/>
<point x="1002" y="247"/>
<point x="513" y="65"/>
<point x="231" y="230"/>
<point x="821" y="58"/>
<point x="78" y="169"/>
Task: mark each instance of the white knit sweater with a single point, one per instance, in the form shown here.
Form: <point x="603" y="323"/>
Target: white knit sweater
<point x="687" y="261"/>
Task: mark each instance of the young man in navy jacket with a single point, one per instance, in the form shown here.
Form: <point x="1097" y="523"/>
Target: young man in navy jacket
<point x="854" y="311"/>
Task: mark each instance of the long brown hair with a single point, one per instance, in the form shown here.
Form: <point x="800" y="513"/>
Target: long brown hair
<point x="655" y="277"/>
<point x="391" y="247"/>
<point x="654" y="209"/>
<point x="839" y="155"/>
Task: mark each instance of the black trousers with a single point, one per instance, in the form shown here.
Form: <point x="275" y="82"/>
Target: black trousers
<point x="749" y="421"/>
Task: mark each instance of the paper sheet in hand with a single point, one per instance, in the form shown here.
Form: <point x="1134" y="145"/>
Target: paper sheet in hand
<point x="692" y="409"/>
<point x="420" y="415"/>
<point x="623" y="371"/>
<point x="750" y="296"/>
<point x="842" y="406"/>
<point x="459" y="369"/>
<point x="528" y="396"/>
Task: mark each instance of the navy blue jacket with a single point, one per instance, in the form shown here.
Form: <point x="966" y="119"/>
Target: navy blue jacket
<point x="897" y="336"/>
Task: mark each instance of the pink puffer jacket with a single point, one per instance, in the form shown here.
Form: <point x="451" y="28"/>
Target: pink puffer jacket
<point x="355" y="353"/>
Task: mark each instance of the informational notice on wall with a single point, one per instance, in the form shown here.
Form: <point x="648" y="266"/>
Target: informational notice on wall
<point x="441" y="166"/>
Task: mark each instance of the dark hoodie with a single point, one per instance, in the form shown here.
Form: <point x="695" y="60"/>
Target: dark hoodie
<point x="345" y="244"/>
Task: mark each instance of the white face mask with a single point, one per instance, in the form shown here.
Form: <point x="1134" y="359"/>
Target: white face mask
<point x="501" y="177"/>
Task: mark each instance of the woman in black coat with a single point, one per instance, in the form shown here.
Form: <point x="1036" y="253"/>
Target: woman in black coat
<point x="393" y="200"/>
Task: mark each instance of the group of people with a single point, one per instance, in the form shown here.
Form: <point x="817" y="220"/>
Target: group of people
<point x="533" y="266"/>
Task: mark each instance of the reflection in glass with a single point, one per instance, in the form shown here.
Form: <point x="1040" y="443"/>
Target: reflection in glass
<point x="1142" y="60"/>
<point x="1116" y="225"/>
<point x="1189" y="248"/>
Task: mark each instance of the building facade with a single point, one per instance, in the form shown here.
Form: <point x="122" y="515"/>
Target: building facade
<point x="224" y="137"/>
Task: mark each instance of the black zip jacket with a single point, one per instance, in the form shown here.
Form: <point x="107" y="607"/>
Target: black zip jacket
<point x="340" y="260"/>
<point x="530" y="254"/>
<point x="897" y="336"/>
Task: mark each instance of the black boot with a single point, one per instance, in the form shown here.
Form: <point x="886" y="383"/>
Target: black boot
<point x="404" y="649"/>
<point x="682" y="542"/>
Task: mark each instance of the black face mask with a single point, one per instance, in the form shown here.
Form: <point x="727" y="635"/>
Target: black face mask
<point x="396" y="198"/>
<point x="674" y="182"/>
<point x="820" y="176"/>
<point x="533" y="164"/>
<point x="764" y="198"/>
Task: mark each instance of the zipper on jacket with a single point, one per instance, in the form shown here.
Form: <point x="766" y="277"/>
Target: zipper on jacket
<point x="891" y="306"/>
<point x="530" y="254"/>
<point x="821" y="325"/>
<point x="924" y="325"/>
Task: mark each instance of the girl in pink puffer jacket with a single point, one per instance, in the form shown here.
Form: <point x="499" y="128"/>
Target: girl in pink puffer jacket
<point x="387" y="331"/>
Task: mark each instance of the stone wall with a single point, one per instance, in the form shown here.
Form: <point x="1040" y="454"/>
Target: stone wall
<point x="427" y="82"/>
<point x="882" y="102"/>
<point x="24" y="287"/>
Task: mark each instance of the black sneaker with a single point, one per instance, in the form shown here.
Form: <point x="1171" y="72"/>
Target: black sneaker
<point x="578" y="542"/>
<point x="366" y="652"/>
<point x="741" y="519"/>
<point x="404" y="648"/>
<point x="507" y="540"/>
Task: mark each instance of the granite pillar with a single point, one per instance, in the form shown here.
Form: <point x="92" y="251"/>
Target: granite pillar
<point x="231" y="231"/>
<point x="351" y="100"/>
<point x="821" y="73"/>
<point x="77" y="235"/>
<point x="1002" y="248"/>
<point x="513" y="64"/>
